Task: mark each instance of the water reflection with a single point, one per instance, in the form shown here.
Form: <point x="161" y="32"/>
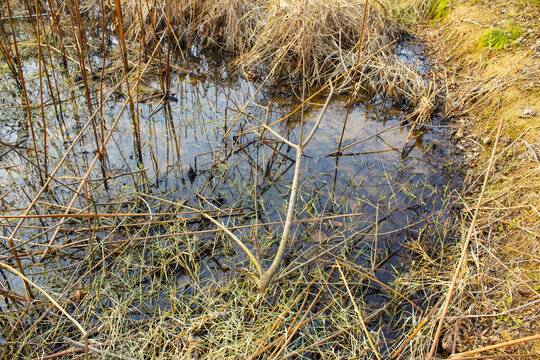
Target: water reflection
<point x="186" y="157"/>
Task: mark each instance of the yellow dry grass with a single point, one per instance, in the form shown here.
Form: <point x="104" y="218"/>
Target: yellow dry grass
<point x="300" y="43"/>
<point x="497" y="296"/>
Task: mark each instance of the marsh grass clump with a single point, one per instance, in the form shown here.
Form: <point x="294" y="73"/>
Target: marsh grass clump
<point x="438" y="10"/>
<point x="294" y="43"/>
<point x="308" y="40"/>
<point x="497" y="39"/>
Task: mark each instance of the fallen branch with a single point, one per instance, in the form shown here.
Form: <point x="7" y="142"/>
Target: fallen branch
<point x="269" y="274"/>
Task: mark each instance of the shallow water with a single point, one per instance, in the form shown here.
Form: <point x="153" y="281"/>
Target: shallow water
<point x="187" y="157"/>
<point x="187" y="131"/>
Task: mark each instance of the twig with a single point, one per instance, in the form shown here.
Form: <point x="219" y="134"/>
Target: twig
<point x="497" y="346"/>
<point x="366" y="138"/>
<point x="60" y="354"/>
<point x="465" y="247"/>
<point x="221" y="226"/>
<point x="281" y="138"/>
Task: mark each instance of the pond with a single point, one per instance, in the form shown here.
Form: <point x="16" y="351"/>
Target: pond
<point x="202" y="145"/>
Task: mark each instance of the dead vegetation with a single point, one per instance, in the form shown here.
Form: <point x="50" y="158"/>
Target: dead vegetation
<point x="131" y="277"/>
<point x="293" y="42"/>
<point x="494" y="308"/>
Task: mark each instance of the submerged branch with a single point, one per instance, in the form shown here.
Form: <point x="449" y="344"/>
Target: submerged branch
<point x="266" y="279"/>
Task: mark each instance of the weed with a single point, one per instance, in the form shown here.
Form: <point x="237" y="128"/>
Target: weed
<point x="438" y="10"/>
<point x="499" y="39"/>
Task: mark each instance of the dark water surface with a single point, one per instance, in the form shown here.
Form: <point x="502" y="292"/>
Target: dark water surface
<point x="186" y="157"/>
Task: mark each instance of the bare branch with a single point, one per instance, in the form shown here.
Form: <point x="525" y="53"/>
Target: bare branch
<point x="318" y="122"/>
<point x="281" y="138"/>
<point x="269" y="274"/>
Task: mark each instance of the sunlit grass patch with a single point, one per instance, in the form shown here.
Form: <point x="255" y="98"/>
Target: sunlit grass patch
<point x="499" y="39"/>
<point x="438" y="10"/>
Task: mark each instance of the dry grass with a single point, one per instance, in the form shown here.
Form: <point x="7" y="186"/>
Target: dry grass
<point x="497" y="295"/>
<point x="144" y="291"/>
<point x="296" y="43"/>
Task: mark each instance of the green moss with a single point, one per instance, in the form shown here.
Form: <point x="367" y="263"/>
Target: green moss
<point x="499" y="39"/>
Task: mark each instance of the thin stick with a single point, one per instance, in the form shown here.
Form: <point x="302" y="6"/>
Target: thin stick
<point x="498" y="346"/>
<point x="86" y="175"/>
<point x="210" y="231"/>
<point x="29" y="115"/>
<point x="60" y="354"/>
<point x="366" y="138"/>
<point x="355" y="76"/>
<point x="281" y="138"/>
<point x="362" y="323"/>
<point x="123" y="50"/>
<point x="41" y="62"/>
<point x="24" y="91"/>
<point x="465" y="247"/>
<point x="244" y="107"/>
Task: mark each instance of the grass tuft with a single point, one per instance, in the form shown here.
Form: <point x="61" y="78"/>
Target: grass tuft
<point x="499" y="39"/>
<point x="438" y="10"/>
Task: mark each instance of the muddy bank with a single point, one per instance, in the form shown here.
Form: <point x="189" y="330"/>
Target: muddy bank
<point x="487" y="53"/>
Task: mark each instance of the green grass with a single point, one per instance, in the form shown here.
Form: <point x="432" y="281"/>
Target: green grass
<point x="411" y="12"/>
<point x="438" y="10"/>
<point x="499" y="39"/>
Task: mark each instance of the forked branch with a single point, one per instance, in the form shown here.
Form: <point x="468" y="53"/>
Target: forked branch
<point x="268" y="275"/>
<point x="265" y="277"/>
